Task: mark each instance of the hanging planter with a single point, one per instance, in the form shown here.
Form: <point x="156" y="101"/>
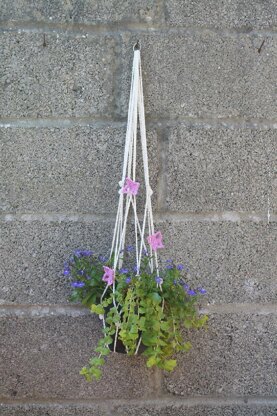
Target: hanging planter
<point x="143" y="308"/>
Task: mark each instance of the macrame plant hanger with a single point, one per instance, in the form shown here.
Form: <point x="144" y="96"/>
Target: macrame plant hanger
<point x="129" y="187"/>
<point x="136" y="110"/>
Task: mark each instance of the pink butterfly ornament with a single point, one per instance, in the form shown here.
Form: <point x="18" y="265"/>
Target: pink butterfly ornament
<point x="155" y="241"/>
<point x="131" y="187"/>
<point x="109" y="275"/>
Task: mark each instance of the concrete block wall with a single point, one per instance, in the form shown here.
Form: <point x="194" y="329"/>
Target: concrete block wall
<point x="209" y="72"/>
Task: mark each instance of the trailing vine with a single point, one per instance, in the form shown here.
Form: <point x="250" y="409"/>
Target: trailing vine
<point x="147" y="314"/>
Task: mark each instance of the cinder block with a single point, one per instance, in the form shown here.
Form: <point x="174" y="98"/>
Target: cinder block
<point x="42" y="357"/>
<point x="236" y="356"/>
<point x="70" y="76"/>
<point x="80" y="11"/>
<point x="74" y="170"/>
<point x="231" y="14"/>
<point x="53" y="410"/>
<point x="204" y="74"/>
<point x="195" y="410"/>
<point x="139" y="409"/>
<point x="234" y="261"/>
<point x="211" y="169"/>
<point x="33" y="254"/>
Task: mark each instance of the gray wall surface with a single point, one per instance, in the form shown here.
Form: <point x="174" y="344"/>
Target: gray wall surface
<point x="209" y="70"/>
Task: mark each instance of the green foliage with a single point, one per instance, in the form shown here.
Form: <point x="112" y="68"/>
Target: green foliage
<point x="99" y="309"/>
<point x="139" y="313"/>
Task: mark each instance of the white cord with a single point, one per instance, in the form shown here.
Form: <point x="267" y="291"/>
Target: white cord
<point x="135" y="111"/>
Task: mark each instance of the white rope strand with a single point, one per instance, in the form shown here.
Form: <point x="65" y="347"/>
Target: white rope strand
<point x="135" y="112"/>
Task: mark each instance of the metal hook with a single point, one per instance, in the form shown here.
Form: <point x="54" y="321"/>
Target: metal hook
<point x="260" y="48"/>
<point x="136" y="46"/>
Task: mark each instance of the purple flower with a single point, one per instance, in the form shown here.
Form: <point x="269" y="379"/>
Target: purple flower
<point x="169" y="261"/>
<point x="102" y="259"/>
<point x="87" y="253"/>
<point x="81" y="272"/>
<point x="128" y="280"/>
<point x="191" y="292"/>
<point x="202" y="290"/>
<point x="159" y="280"/>
<point x="136" y="269"/>
<point x="81" y="253"/>
<point x="66" y="270"/>
<point x="129" y="248"/>
<point x="169" y="266"/>
<point x="123" y="271"/>
<point x="77" y="284"/>
<point x="180" y="267"/>
<point x="186" y="287"/>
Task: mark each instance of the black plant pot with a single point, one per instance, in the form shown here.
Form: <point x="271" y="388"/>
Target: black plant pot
<point x="120" y="348"/>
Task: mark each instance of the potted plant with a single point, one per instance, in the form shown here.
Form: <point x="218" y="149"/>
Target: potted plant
<point x="146" y="313"/>
<point x="144" y="308"/>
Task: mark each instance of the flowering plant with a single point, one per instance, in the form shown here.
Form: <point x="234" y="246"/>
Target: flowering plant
<point x="141" y="312"/>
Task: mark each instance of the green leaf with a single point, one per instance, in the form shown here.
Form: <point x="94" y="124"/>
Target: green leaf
<point x="162" y="343"/>
<point x="142" y="322"/>
<point x="134" y="329"/>
<point x="155" y="297"/>
<point x="151" y="361"/>
<point x="105" y="303"/>
<point x="169" y="365"/>
<point x="187" y="346"/>
<point x="96" y="373"/>
<point x="84" y="371"/>
<point x="74" y="296"/>
<point x="86" y="300"/>
<point x="97" y="309"/>
<point x="108" y="340"/>
<point x="202" y="321"/>
<point x="95" y="361"/>
<point x="133" y="336"/>
<point x="103" y="350"/>
<point x="187" y="323"/>
<point x="148" y="339"/>
<point x="165" y="326"/>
